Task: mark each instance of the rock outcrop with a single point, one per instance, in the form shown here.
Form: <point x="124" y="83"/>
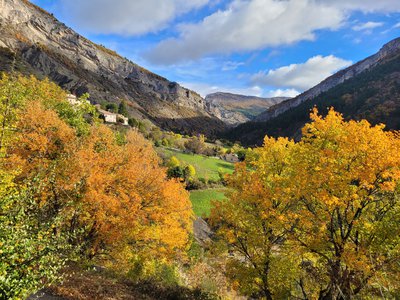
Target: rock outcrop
<point x="235" y="109"/>
<point x="33" y="41"/>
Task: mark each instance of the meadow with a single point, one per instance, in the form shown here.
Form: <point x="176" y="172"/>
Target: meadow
<point x="206" y="167"/>
<point x="201" y="200"/>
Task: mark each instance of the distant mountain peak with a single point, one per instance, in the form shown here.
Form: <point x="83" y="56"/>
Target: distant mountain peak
<point x="234" y="109"/>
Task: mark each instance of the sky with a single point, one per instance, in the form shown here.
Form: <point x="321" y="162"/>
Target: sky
<point x="263" y="48"/>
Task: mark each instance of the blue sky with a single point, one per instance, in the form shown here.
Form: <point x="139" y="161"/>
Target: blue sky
<point x="253" y="47"/>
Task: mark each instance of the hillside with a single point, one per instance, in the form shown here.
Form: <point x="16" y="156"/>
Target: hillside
<point x="235" y="109"/>
<point x="369" y="89"/>
<point x="41" y="45"/>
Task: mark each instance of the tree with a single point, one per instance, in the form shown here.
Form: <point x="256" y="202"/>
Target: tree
<point x="112" y="107"/>
<point x="347" y="183"/>
<point x="332" y="198"/>
<point x="196" y="144"/>
<point x="32" y="250"/>
<point x="70" y="184"/>
<point x="190" y="172"/>
<point x="251" y="226"/>
<point x="122" y="109"/>
<point x="173" y="162"/>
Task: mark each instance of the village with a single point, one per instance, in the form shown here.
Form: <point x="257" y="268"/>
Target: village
<point x="107" y="116"/>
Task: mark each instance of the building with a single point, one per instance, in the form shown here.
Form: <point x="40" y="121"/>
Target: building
<point x="110" y="117"/>
<point x="74" y="100"/>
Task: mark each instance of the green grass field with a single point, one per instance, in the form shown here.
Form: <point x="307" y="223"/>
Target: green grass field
<point x="201" y="200"/>
<point x="206" y="167"/>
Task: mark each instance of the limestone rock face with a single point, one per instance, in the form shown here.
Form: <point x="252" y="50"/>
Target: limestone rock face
<point x="235" y="109"/>
<point x="48" y="48"/>
<point x="386" y="51"/>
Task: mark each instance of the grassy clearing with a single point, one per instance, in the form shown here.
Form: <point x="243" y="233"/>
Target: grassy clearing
<point x="201" y="200"/>
<point x="206" y="167"/>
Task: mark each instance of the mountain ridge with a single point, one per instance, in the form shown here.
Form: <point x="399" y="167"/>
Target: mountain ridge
<point x="372" y="92"/>
<point x="48" y="48"/>
<point x="331" y="81"/>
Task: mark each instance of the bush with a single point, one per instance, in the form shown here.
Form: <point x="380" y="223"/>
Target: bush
<point x="176" y="172"/>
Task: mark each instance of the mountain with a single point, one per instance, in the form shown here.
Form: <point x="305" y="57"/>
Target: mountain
<point x="369" y="89"/>
<point x="234" y="109"/>
<point x="32" y="41"/>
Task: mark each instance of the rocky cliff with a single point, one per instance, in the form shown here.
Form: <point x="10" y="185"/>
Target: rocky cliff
<point x="386" y="51"/>
<point x="33" y="41"/>
<point x="235" y="109"/>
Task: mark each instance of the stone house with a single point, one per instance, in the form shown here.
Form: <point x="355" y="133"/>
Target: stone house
<point x="110" y="117"/>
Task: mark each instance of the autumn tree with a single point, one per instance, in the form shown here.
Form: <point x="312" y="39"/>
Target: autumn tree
<point x="251" y="223"/>
<point x="348" y="221"/>
<point x="31" y="252"/>
<point x="196" y="144"/>
<point x="129" y="199"/>
<point x="332" y="199"/>
<point x="68" y="180"/>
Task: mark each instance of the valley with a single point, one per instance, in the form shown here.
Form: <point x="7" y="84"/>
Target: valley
<point x="120" y="183"/>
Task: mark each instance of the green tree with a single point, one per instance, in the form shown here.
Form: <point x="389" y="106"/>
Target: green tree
<point x="122" y="108"/>
<point x="112" y="107"/>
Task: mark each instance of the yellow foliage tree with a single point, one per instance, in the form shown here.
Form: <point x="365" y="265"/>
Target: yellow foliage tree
<point x="331" y="199"/>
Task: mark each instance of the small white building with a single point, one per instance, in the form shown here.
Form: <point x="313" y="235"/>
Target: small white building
<point x="110" y="117"/>
<point x="74" y="100"/>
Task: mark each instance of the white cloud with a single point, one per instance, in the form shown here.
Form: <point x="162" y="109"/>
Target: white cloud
<point x="204" y="89"/>
<point x="366" y="6"/>
<point x="126" y="17"/>
<point x="367" y="26"/>
<point x="231" y="65"/>
<point x="301" y="76"/>
<point x="247" y="25"/>
<point x="396" y="25"/>
<point x="282" y="93"/>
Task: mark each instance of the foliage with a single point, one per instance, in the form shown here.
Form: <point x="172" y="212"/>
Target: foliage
<point x="196" y="144"/>
<point x="68" y="181"/>
<point x="32" y="248"/>
<point x="112" y="107"/>
<point x="122" y="109"/>
<point x="332" y="199"/>
<point x="190" y="172"/>
<point x="31" y="253"/>
<point x="173" y="162"/>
